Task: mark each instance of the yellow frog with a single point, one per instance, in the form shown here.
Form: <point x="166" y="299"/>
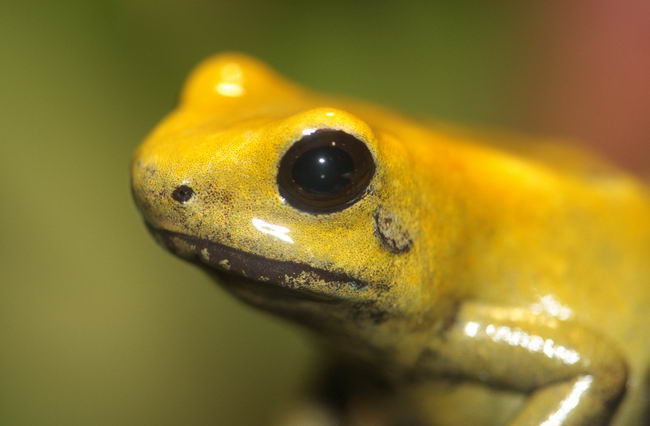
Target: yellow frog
<point x="452" y="280"/>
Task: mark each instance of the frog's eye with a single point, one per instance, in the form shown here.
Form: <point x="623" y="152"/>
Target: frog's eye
<point x="326" y="171"/>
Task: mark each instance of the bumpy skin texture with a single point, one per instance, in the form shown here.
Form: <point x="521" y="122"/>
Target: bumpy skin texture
<point x="478" y="280"/>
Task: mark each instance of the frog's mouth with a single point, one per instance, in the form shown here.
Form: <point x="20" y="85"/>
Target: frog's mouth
<point x="255" y="272"/>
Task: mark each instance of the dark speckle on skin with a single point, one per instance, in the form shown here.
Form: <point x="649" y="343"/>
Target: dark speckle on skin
<point x="392" y="235"/>
<point x="151" y="171"/>
<point x="217" y="195"/>
<point x="367" y="312"/>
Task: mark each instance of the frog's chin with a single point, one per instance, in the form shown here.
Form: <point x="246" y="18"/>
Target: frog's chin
<point x="247" y="273"/>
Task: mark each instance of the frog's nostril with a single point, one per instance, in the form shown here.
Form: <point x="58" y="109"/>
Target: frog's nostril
<point x="182" y="193"/>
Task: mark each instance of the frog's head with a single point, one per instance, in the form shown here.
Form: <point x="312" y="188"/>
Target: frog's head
<point x="298" y="206"/>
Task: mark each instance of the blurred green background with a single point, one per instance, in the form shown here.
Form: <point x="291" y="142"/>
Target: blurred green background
<point x="98" y="325"/>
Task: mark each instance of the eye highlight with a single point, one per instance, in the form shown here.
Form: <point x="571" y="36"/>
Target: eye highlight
<point x="326" y="171"/>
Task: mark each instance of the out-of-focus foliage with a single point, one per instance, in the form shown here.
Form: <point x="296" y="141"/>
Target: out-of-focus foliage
<point x="98" y="325"/>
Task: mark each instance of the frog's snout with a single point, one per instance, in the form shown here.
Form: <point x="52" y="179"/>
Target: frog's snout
<point x="154" y="196"/>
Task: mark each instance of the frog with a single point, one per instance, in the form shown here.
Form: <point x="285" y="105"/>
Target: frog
<point x="448" y="276"/>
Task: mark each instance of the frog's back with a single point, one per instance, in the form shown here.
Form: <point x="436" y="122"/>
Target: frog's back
<point x="615" y="294"/>
<point x="562" y="233"/>
<point x="568" y="235"/>
<point x="569" y="224"/>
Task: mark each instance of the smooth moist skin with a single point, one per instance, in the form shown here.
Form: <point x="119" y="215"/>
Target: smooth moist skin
<point x="452" y="281"/>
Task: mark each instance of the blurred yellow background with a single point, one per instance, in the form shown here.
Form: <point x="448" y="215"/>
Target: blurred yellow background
<point x="98" y="325"/>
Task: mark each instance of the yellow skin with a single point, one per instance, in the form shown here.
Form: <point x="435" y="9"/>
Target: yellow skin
<point x="519" y="293"/>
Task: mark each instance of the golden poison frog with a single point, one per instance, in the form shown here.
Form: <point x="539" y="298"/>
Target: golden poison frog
<point x="452" y="278"/>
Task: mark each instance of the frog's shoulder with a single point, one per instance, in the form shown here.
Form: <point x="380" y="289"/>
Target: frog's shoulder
<point x="561" y="156"/>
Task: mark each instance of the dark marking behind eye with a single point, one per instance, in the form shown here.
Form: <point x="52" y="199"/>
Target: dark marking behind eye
<point x="392" y="234"/>
<point x="182" y="193"/>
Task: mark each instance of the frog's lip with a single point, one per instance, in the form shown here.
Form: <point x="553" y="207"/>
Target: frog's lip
<point x="253" y="267"/>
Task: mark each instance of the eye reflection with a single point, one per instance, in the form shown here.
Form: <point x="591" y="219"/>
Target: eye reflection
<point x="324" y="170"/>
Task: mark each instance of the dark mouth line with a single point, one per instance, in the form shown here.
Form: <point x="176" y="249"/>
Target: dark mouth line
<point x="252" y="266"/>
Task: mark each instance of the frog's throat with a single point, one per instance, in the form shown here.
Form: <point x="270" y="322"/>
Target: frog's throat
<point x="223" y="258"/>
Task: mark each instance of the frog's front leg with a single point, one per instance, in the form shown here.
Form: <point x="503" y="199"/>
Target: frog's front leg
<point x="574" y="377"/>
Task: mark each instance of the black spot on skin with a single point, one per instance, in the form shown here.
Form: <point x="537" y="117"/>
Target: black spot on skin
<point x="182" y="193"/>
<point x="392" y="235"/>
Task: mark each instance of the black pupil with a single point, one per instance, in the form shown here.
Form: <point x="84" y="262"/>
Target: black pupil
<point x="323" y="170"/>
